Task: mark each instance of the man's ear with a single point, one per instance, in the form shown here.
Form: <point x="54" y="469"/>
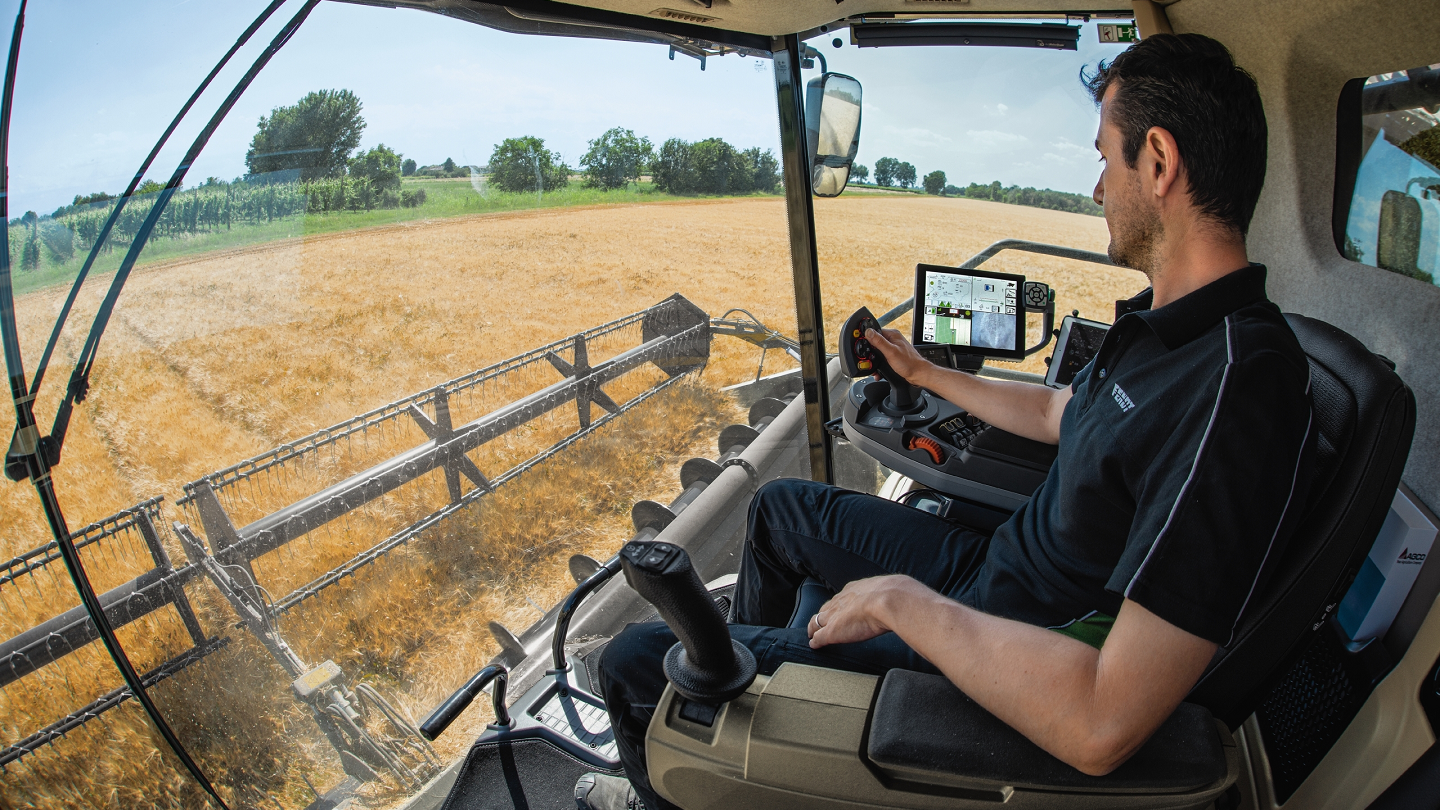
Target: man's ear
<point x="1163" y="164"/>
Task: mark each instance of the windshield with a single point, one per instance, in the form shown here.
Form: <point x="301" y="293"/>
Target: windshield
<point x="432" y="310"/>
<point x="961" y="148"/>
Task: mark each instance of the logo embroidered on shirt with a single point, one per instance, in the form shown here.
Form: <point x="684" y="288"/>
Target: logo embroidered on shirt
<point x="1122" y="399"/>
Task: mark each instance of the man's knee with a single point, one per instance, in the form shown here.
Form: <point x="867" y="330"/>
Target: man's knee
<point x="785" y="499"/>
<point x="634" y="660"/>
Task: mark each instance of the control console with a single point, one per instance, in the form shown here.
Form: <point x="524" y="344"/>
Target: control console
<point x="929" y="439"/>
<point x="858" y="358"/>
<point x="946" y="448"/>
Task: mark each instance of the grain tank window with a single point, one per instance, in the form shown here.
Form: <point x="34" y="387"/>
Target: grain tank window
<point x="1387" y="184"/>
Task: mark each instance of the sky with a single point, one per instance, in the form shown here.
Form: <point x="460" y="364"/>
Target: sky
<point x="98" y="82"/>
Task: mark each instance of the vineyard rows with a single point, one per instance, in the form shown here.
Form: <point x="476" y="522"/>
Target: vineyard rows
<point x="207" y="209"/>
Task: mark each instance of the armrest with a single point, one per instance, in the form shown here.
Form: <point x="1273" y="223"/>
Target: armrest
<point x="824" y="739"/>
<point x="925" y="731"/>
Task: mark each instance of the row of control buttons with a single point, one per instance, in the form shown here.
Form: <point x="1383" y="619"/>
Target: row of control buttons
<point x="961" y="430"/>
<point x="863" y="352"/>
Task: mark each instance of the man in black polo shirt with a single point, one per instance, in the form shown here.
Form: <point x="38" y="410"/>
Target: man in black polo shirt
<point x="1088" y="616"/>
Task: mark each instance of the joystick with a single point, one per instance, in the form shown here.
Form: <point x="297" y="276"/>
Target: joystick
<point x="706" y="665"/>
<point x="858" y="358"/>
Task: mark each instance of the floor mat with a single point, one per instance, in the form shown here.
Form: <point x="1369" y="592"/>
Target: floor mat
<point x="517" y="775"/>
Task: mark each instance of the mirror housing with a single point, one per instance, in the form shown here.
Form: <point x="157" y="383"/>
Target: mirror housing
<point x="832" y="131"/>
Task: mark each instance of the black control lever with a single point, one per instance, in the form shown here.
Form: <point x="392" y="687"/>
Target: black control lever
<point x="858" y="358"/>
<point x="706" y="665"/>
<point x="442" y="717"/>
<point x="572" y="602"/>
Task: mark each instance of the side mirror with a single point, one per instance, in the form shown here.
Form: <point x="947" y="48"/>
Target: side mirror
<point x="832" y="131"/>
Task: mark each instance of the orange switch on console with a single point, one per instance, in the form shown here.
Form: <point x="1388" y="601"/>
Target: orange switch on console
<point x="928" y="445"/>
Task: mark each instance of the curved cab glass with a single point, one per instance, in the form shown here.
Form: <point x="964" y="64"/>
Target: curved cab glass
<point x="426" y="318"/>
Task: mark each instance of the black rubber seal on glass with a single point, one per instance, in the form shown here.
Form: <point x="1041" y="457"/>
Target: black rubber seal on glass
<point x="38" y="469"/>
<point x="1348" y="130"/>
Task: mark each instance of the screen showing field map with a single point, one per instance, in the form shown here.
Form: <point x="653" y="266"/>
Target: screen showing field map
<point x="970" y="311"/>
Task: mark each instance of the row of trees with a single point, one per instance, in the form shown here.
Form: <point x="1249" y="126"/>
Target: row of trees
<point x="448" y="168"/>
<point x="1033" y="197"/>
<point x="302" y="158"/>
<point x="316" y="138"/>
<point x="713" y="166"/>
<point x="38" y="231"/>
<point x="215" y="205"/>
<point x="619" y="157"/>
<point x="888" y="172"/>
<point x="891" y="172"/>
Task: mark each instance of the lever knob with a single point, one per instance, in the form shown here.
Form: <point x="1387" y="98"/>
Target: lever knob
<point x="706" y="665"/>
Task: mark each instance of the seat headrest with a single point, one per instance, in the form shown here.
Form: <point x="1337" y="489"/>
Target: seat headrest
<point x="1363" y="419"/>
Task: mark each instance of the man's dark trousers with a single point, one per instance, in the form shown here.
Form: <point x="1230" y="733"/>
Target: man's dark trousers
<point x="797" y="529"/>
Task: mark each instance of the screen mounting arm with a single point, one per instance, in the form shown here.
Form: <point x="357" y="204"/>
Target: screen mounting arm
<point x="1042" y="292"/>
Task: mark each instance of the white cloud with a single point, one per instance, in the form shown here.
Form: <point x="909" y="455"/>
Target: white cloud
<point x="1074" y="150"/>
<point x="994" y="137"/>
<point x="915" y="137"/>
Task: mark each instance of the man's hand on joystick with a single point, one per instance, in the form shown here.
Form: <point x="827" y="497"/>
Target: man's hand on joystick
<point x="898" y="352"/>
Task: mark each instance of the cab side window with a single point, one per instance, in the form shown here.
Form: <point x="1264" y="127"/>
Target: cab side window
<point x="1387" y="194"/>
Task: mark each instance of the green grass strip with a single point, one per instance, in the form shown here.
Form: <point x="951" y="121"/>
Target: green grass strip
<point x="444" y="198"/>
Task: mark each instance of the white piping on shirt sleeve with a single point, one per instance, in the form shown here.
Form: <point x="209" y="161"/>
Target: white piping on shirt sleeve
<point x="1194" y="465"/>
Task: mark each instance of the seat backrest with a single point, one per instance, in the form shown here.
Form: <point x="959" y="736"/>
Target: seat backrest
<point x="1364" y="419"/>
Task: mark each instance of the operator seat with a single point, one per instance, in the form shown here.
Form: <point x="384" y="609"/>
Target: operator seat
<point x="923" y="743"/>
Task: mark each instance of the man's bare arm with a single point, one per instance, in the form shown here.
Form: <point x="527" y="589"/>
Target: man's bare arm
<point x="1090" y="708"/>
<point x="1032" y="411"/>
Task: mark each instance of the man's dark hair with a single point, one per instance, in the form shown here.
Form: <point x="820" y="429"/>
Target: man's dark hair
<point x="1189" y="85"/>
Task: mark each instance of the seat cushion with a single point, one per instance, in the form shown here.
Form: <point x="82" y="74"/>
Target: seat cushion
<point x="924" y="730"/>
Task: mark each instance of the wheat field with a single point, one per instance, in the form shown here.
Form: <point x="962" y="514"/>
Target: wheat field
<point x="217" y="358"/>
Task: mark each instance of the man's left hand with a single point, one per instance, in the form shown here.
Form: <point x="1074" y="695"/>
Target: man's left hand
<point x="856" y="613"/>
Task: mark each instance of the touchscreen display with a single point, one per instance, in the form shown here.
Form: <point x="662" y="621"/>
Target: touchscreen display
<point x="976" y="311"/>
<point x="1082" y="344"/>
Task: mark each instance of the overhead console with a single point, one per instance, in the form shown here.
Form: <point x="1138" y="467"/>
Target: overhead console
<point x="963" y="317"/>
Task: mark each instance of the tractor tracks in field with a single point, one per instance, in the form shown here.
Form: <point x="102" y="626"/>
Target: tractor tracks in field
<point x="194" y="382"/>
<point x="95" y="418"/>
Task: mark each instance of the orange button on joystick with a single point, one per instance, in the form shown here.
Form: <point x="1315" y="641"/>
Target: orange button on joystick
<point x="927" y="444"/>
